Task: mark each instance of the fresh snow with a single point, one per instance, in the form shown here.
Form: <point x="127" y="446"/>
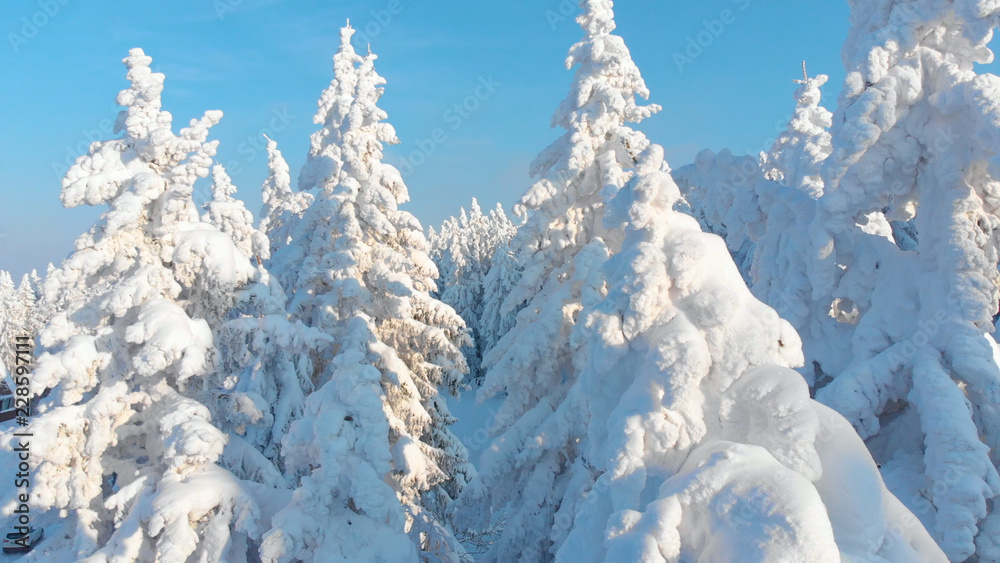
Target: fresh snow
<point x="777" y="357"/>
<point x="372" y="459"/>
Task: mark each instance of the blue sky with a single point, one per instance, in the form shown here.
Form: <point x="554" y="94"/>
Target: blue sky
<point x="264" y="64"/>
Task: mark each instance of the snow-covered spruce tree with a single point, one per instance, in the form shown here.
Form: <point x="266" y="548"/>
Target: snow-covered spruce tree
<point x="263" y="366"/>
<point x="373" y="449"/>
<point x="448" y="248"/>
<point x="281" y="204"/>
<point x="500" y="272"/>
<point x="763" y="207"/>
<point x="719" y="191"/>
<point x="124" y="451"/>
<point x="779" y="271"/>
<point x="496" y="320"/>
<point x="915" y="141"/>
<point x="765" y="224"/>
<point x="47" y="305"/>
<point x="797" y="154"/>
<point x="32" y="289"/>
<point x="231" y="216"/>
<point x="20" y="313"/>
<point x="723" y="190"/>
<point x="440" y="241"/>
<point x="460" y="278"/>
<point x="8" y="311"/>
<point x="10" y="328"/>
<point x="686" y="435"/>
<point x="563" y="243"/>
<point x="7" y="287"/>
<point x="463" y="251"/>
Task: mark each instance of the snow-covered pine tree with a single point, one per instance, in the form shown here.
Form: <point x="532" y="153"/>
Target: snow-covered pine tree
<point x="463" y="251"/>
<point x="281" y="204"/>
<point x="20" y="314"/>
<point x="28" y="297"/>
<point x="459" y="283"/>
<point x="7" y="295"/>
<point x="8" y="327"/>
<point x="779" y="272"/>
<point x="763" y="207"/>
<point x="686" y="434"/>
<point x="46" y="305"/>
<point x="796" y="156"/>
<point x="465" y="295"/>
<point x="7" y="287"/>
<point x="915" y="141"/>
<point x="231" y="216"/>
<point x="719" y="191"/>
<point x="374" y="451"/>
<point x="503" y="274"/>
<point x="564" y="243"/>
<point x="499" y="230"/>
<point x="620" y="453"/>
<point x="496" y="321"/>
<point x="263" y="366"/>
<point x="450" y="249"/>
<point x="124" y="450"/>
<point x="439" y="241"/>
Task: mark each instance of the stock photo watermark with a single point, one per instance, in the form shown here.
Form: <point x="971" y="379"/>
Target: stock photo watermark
<point x="565" y="11"/>
<point x="712" y="29"/>
<point x="102" y="131"/>
<point x="380" y="20"/>
<point x="31" y="26"/>
<point x="455" y="117"/>
<point x="256" y="144"/>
